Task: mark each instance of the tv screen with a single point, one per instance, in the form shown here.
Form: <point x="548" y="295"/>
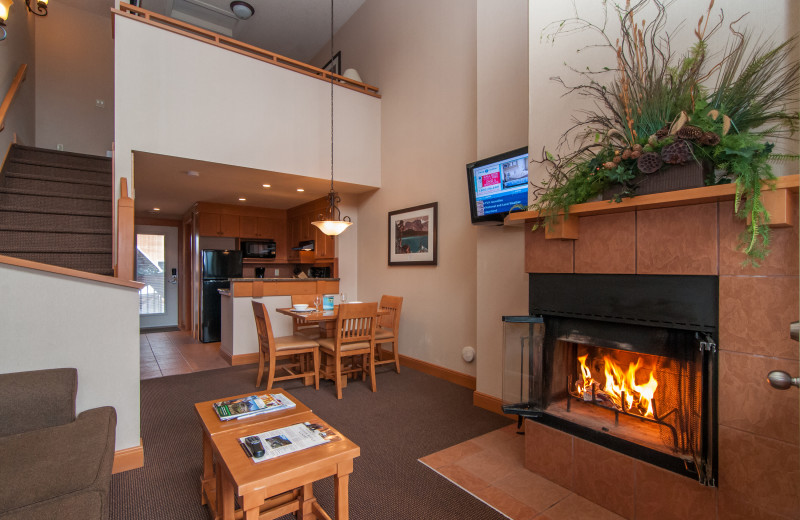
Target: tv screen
<point x="497" y="184"/>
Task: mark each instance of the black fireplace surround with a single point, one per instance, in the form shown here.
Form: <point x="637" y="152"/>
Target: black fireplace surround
<point x="670" y="319"/>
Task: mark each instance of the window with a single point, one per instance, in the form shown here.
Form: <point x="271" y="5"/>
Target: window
<point x="150" y="271"/>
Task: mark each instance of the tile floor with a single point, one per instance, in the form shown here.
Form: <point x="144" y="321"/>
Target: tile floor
<point x="490" y="467"/>
<point x="171" y="353"/>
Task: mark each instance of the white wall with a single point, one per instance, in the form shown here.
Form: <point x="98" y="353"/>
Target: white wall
<point x="202" y="102"/>
<point x="422" y="56"/>
<point x="502" y="71"/>
<point x="18" y="48"/>
<point x="52" y="321"/>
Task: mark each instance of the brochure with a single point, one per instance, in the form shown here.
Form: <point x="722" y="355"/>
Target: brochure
<point x="291" y="439"/>
<point x="251" y="405"/>
<point x="327" y="302"/>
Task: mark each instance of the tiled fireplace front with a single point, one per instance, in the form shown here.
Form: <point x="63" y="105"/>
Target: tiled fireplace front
<point x="758" y="427"/>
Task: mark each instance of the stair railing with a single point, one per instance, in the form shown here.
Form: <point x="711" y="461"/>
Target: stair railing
<point x="12" y="92"/>
<point x="125" y="254"/>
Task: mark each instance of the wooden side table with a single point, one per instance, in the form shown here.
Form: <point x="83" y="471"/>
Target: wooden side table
<point x="256" y="483"/>
<point x="210" y="488"/>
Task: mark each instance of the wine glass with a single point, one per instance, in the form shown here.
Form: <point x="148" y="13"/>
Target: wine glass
<point x="317" y="301"/>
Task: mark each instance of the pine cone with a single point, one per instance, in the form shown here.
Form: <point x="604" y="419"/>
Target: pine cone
<point x="690" y="132"/>
<point x="662" y="132"/>
<point x="637" y="147"/>
<point x="649" y="162"/>
<point x="609" y="165"/>
<point x="677" y="153"/>
<point x="709" y="139"/>
<point x="636" y="154"/>
<point x="626" y="154"/>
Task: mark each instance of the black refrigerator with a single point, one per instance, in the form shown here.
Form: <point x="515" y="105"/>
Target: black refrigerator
<point x="218" y="267"/>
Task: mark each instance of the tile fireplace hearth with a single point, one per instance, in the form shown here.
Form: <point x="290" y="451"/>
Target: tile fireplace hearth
<point x="758" y="428"/>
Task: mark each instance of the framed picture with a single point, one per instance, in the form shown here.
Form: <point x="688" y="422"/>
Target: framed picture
<point x="334" y="64"/>
<point x="413" y="235"/>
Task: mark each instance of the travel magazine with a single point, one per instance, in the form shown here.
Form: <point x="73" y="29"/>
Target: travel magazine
<point x="252" y="405"/>
<point x="290" y="439"/>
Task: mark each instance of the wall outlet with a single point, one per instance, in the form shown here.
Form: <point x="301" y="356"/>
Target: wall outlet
<point x="99" y="103"/>
<point x="277" y="272"/>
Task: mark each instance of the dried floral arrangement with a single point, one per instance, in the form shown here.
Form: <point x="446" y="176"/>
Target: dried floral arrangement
<point x="656" y="108"/>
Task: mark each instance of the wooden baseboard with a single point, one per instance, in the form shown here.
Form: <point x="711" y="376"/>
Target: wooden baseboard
<point x="241" y="359"/>
<point x="491" y="403"/>
<point x="129" y="458"/>
<point x="452" y="376"/>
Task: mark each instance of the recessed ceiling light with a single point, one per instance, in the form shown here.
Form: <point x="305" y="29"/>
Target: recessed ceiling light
<point x="156" y="209"/>
<point x="266" y="185"/>
<point x="242" y="198"/>
<point x="300" y="189"/>
<point x="192" y="173"/>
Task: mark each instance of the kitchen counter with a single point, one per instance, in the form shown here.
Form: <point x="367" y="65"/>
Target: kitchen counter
<point x="283" y="279"/>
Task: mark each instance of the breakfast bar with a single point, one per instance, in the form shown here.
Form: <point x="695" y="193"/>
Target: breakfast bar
<point x="239" y="342"/>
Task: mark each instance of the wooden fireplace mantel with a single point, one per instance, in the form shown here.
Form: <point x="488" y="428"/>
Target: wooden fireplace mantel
<point x="776" y="201"/>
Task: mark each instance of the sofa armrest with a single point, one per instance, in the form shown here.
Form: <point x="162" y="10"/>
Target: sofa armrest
<point x="37" y="399"/>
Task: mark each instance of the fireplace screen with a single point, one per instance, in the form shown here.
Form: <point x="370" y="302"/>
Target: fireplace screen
<point x="642" y="387"/>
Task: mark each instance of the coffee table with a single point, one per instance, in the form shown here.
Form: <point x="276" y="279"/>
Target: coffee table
<point x="212" y="425"/>
<point x="275" y="487"/>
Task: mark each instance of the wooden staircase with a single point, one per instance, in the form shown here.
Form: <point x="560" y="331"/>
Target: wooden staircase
<point x="56" y="208"/>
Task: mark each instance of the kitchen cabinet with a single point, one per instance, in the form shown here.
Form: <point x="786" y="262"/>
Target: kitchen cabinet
<point x="299" y="228"/>
<point x="258" y="227"/>
<point x="217" y="225"/>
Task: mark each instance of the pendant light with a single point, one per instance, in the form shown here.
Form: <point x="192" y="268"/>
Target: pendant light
<point x="331" y="223"/>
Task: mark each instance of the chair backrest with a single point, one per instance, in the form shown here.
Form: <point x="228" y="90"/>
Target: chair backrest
<point x="394" y="305"/>
<point x="356" y="322"/>
<point x="266" y="340"/>
<point x="305" y="298"/>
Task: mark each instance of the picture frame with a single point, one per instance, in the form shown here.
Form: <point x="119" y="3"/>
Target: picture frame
<point x="334" y="65"/>
<point x="413" y="235"/>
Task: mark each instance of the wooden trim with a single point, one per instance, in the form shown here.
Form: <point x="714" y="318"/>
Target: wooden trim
<point x="667" y="199"/>
<point x="241" y="359"/>
<point x="12" y="92"/>
<point x="196" y="33"/>
<point x="564" y="229"/>
<point x="491" y="403"/>
<point x="125" y="233"/>
<point x="447" y="374"/>
<point x="779" y="204"/>
<point x="129" y="458"/>
<point x="28" y="264"/>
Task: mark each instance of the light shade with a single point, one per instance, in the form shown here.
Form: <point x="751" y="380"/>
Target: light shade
<point x="332" y="227"/>
<point x="4" y="10"/>
<point x="242" y="10"/>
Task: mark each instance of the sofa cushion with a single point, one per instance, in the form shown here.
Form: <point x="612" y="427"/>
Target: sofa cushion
<point x="78" y="506"/>
<point x="44" y="464"/>
<point x="37" y="399"/>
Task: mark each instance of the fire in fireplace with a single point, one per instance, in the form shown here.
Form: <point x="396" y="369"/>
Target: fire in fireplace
<point x="628" y="362"/>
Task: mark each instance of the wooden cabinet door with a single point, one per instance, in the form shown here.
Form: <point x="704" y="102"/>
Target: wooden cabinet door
<point x="208" y="224"/>
<point x="229" y="225"/>
<point x="248" y="227"/>
<point x="324" y="245"/>
<point x="266" y="228"/>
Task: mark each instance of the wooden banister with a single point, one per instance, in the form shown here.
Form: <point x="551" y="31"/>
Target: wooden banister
<point x="218" y="40"/>
<point x="64" y="271"/>
<point x="125" y="239"/>
<point x="12" y="92"/>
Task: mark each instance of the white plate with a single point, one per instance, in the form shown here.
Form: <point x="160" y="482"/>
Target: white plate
<point x="311" y="309"/>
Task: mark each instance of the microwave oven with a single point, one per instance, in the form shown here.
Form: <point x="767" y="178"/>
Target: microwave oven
<point x="258" y="248"/>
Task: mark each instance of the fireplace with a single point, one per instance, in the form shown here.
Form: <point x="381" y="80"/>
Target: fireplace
<point x="625" y="361"/>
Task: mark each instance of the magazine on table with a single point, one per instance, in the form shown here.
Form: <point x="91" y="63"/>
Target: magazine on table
<point x="290" y="439"/>
<point x="252" y="405"/>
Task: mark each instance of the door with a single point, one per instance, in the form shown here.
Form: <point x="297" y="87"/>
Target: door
<point x="157" y="267"/>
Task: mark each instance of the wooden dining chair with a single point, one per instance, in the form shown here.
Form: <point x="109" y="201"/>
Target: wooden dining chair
<point x="300" y="325"/>
<point x="355" y="336"/>
<point x="271" y="349"/>
<point x="388" y="330"/>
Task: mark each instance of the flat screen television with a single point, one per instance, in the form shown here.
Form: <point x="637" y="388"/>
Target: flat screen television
<point x="496" y="185"/>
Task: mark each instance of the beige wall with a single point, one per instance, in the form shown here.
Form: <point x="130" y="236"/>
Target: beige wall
<point x="502" y="72"/>
<point x="74" y="68"/>
<point x="422" y="56"/>
<point x="16" y="49"/>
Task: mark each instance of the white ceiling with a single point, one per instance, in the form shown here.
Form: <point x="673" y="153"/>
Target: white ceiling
<point x="297" y="29"/>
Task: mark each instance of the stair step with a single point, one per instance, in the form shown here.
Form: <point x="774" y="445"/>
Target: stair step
<point x="98" y="263"/>
<point x="45" y="178"/>
<point x="57" y="172"/>
<point x="55" y="210"/>
<point x="46" y="186"/>
<point x="25" y="241"/>
<point x="60" y="158"/>
<point x="51" y="204"/>
<point x="54" y="194"/>
<point x="11" y="219"/>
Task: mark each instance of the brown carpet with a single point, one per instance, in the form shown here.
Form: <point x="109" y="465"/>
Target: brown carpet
<point x="411" y="415"/>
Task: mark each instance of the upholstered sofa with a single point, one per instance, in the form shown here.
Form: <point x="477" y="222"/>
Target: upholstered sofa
<point x="53" y="464"/>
